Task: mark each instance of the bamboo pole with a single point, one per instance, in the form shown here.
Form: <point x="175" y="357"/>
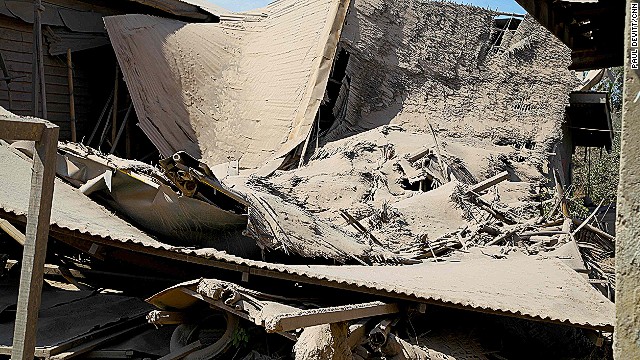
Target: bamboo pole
<point x="72" y="105"/>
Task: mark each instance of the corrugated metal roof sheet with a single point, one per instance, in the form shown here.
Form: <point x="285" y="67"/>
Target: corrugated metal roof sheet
<point x="542" y="289"/>
<point x="239" y="89"/>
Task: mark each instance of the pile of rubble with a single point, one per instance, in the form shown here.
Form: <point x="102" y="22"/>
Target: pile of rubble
<point x="388" y="178"/>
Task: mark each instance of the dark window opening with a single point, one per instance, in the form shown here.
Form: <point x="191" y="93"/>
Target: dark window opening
<point x="326" y="111"/>
<point x="503" y="27"/>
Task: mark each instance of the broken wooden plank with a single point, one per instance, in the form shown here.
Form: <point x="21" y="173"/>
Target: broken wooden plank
<point x="594" y="229"/>
<point x="41" y="353"/>
<point x="409" y="171"/>
<point x="306" y="318"/>
<point x="586" y="221"/>
<point x="484" y="185"/>
<point x="478" y="201"/>
<point x="48" y="268"/>
<point x="418" y="154"/>
<point x="11" y="230"/>
<point x="358" y="226"/>
<point x="440" y="158"/>
<point x="564" y="206"/>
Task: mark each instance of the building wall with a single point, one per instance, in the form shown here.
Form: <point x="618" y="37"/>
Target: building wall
<point x="16" y="47"/>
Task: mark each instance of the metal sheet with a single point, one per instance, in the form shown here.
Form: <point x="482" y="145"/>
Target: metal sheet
<point x="237" y="89"/>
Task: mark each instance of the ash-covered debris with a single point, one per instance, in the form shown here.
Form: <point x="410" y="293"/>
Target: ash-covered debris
<point x="395" y="186"/>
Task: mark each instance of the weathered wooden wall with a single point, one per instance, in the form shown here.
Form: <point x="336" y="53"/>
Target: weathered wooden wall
<point x="16" y="44"/>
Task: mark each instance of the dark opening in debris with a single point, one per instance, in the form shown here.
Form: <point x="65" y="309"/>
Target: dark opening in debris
<point x="326" y="111"/>
<point x="420" y="185"/>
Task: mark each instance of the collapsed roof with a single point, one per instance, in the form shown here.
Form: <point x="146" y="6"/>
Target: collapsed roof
<point x="242" y="89"/>
<point x="391" y="111"/>
<point x="455" y="283"/>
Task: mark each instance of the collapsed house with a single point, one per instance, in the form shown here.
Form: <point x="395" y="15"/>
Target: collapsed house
<point x="306" y="141"/>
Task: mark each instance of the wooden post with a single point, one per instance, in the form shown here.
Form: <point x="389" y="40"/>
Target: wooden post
<point x="35" y="248"/>
<point x="37" y="37"/>
<point x="5" y="73"/>
<point x="114" y="124"/>
<point x="122" y="127"/>
<point x="35" y="69"/>
<point x="127" y="137"/>
<point x="72" y="104"/>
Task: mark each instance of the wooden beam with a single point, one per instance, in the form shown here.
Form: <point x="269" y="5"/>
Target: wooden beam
<point x="101" y="333"/>
<point x="21" y="129"/>
<point x="11" y="230"/>
<point x="38" y="63"/>
<point x="594" y="229"/>
<point x="306" y="318"/>
<point x="114" y="119"/>
<point x="484" y="185"/>
<point x="35" y="247"/>
<point x="72" y="103"/>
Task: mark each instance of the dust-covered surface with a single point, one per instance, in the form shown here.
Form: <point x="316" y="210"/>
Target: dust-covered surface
<point x="444" y="64"/>
<point x="239" y="89"/>
<point x="71" y="209"/>
<point x="455" y="101"/>
<point x="364" y="175"/>
<point x="67" y="315"/>
<point x="423" y="101"/>
<point x="552" y="291"/>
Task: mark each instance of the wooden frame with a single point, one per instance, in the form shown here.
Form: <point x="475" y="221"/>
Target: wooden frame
<point x="45" y="135"/>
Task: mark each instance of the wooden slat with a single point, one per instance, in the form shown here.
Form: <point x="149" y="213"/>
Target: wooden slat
<point x="11" y="230"/>
<point x="484" y="185"/>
